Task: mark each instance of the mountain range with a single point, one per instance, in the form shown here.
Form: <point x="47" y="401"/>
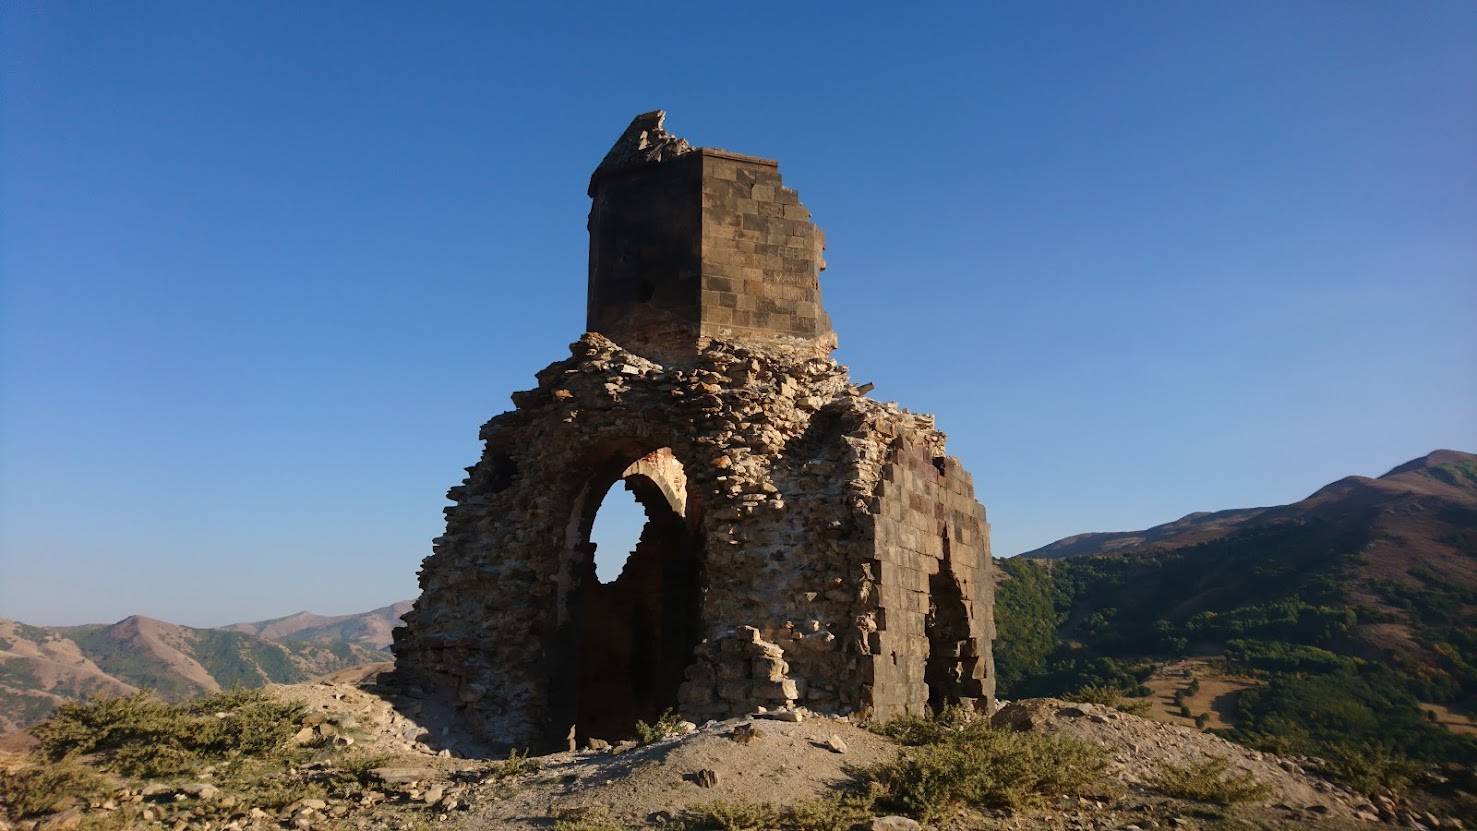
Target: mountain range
<point x="41" y="667"/>
<point x="1400" y="549"/>
<point x="1412" y="531"/>
<point x="1341" y="627"/>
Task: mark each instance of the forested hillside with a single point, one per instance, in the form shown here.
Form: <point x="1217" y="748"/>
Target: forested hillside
<point x="1347" y="611"/>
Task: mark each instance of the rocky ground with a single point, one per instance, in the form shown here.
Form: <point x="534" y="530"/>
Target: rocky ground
<point x="374" y="758"/>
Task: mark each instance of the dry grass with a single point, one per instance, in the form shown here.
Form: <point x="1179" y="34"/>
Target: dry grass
<point x="1453" y="720"/>
<point x="1216" y="697"/>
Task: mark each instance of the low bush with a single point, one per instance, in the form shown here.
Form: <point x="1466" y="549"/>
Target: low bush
<point x="735" y="816"/>
<point x="38" y="790"/>
<point x="1208" y="781"/>
<point x="836" y="813"/>
<point x="148" y="737"/>
<point x="355" y="769"/>
<point x="1109" y="696"/>
<point x="1366" y="767"/>
<point x="981" y="767"/>
<point x="592" y="818"/>
<point x="516" y="764"/>
<point x="910" y="731"/>
<point x="1103" y="694"/>
<point x="667" y="724"/>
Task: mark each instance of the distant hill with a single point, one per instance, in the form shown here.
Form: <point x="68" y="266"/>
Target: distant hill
<point x="1346" y="612"/>
<point x="43" y="666"/>
<point x="370" y="630"/>
<point x="1412" y="529"/>
<point x="1418" y="504"/>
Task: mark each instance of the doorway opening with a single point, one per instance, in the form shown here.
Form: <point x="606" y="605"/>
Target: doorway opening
<point x="637" y="622"/>
<point x="952" y="656"/>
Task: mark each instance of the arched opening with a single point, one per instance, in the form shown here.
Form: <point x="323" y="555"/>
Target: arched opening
<point x="634" y="631"/>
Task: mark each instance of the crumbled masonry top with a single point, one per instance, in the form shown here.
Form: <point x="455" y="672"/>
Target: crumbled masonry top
<point x="644" y="141"/>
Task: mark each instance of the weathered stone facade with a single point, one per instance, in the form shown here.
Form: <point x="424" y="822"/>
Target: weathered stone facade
<point x="805" y="545"/>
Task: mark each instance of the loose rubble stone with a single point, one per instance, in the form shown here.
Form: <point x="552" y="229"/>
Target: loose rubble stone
<point x="706" y="778"/>
<point x="63" y="821"/>
<point x="806" y="546"/>
<point x="792" y="716"/>
<point x="405" y="776"/>
<point x="891" y="823"/>
<point x="745" y="733"/>
<point x="835" y="744"/>
<point x="200" y="790"/>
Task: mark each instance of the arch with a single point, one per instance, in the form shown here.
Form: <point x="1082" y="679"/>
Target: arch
<point x="623" y="647"/>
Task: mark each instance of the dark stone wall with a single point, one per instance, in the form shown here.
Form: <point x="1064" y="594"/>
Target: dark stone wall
<point x="689" y="245"/>
<point x="645" y="258"/>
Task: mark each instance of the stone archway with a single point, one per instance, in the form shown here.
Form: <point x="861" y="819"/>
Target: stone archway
<point x="626" y="644"/>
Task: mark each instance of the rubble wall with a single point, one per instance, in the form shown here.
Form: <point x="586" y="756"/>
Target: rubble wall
<point x="814" y="519"/>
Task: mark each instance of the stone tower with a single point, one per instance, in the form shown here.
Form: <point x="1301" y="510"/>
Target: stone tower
<point x="688" y="245"/>
<point x="805" y="546"/>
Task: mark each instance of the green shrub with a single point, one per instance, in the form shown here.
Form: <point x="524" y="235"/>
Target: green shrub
<point x="1103" y="694"/>
<point x="1207" y="781"/>
<point x="1367" y="767"/>
<point x="38" y="790"/>
<point x="147" y="737"/>
<point x="835" y="813"/>
<point x="982" y="767"/>
<point x="667" y="724"/>
<point x="736" y="816"/>
<point x="592" y="818"/>
<point x="1108" y="696"/>
<point x="910" y="731"/>
<point x="279" y="793"/>
<point x="355" y="769"/>
<point x="516" y="764"/>
<point x="159" y="760"/>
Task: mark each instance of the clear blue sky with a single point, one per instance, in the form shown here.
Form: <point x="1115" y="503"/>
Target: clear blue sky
<point x="268" y="266"/>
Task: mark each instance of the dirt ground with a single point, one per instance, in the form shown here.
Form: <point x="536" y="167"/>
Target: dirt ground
<point x="425" y="776"/>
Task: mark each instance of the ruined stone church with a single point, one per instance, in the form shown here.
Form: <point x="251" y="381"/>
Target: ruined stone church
<point x="805" y="545"/>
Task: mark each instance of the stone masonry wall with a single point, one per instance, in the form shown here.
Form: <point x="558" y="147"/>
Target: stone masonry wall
<point x="762" y="257"/>
<point x="805" y="545"/>
<point x="691" y="244"/>
<point x="812" y="562"/>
